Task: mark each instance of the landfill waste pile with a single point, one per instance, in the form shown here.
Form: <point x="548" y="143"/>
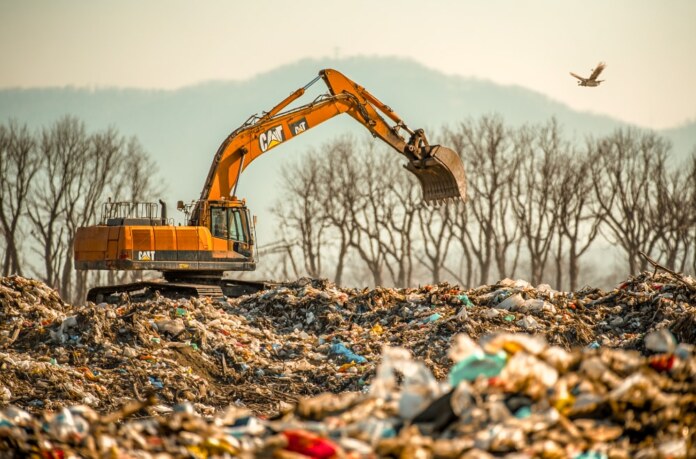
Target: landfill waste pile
<point x="308" y="368"/>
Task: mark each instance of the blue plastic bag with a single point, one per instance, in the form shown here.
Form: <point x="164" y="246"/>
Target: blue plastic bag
<point x="347" y="355"/>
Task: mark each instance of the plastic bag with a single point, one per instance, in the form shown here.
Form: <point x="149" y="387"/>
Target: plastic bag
<point x="661" y="341"/>
<point x="419" y="386"/>
<point x="346" y="354"/>
<point x="475" y="365"/>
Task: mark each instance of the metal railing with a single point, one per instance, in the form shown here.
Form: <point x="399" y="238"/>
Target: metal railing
<point x="111" y="210"/>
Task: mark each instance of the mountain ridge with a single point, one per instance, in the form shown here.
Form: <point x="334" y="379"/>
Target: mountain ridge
<point x="182" y="128"/>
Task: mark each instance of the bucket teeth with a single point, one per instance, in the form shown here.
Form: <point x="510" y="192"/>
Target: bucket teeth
<point x="441" y="176"/>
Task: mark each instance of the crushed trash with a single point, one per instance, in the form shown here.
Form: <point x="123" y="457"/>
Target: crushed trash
<point x="313" y="369"/>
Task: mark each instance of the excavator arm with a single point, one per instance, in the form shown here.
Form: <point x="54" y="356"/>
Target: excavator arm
<point x="439" y="169"/>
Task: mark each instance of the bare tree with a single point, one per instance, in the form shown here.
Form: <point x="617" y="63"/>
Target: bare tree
<point x="625" y="182"/>
<point x="675" y="215"/>
<point x="62" y="148"/>
<point x="327" y="201"/>
<point x="19" y="163"/>
<point x="486" y="149"/>
<point x="78" y="171"/>
<point x="367" y="217"/>
<point x="341" y="199"/>
<point x="436" y="238"/>
<point x="439" y="239"/>
<point x="99" y="166"/>
<point x="137" y="178"/>
<point x="578" y="215"/>
<point x="370" y="205"/>
<point x="302" y="210"/>
<point x="398" y="220"/>
<point x="530" y="192"/>
<point x="458" y="225"/>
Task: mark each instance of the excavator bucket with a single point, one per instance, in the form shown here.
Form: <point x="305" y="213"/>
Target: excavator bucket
<point x="441" y="175"/>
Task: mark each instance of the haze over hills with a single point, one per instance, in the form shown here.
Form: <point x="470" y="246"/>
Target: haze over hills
<point x="183" y="128"/>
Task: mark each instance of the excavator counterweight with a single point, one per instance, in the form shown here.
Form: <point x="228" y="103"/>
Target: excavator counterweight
<point x="219" y="234"/>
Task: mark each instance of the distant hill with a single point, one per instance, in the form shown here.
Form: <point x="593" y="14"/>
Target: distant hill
<point x="183" y="128"/>
<point x="683" y="138"/>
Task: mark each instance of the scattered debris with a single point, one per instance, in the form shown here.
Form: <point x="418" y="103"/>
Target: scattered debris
<point x="318" y="370"/>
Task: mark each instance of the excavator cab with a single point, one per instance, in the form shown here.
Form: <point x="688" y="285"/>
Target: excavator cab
<point x="230" y="224"/>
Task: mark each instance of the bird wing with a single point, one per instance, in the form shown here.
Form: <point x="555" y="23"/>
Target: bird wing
<point x="577" y="76"/>
<point x="597" y="71"/>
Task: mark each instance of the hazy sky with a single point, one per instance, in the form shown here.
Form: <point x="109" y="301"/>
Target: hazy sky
<point x="649" y="46"/>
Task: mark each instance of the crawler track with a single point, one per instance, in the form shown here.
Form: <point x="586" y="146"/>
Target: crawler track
<point x="218" y="289"/>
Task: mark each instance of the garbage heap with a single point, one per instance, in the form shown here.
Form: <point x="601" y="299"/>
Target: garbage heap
<point x="511" y="395"/>
<point x="401" y="368"/>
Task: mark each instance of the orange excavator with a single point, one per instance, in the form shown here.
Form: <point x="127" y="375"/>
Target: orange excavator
<point x="220" y="235"/>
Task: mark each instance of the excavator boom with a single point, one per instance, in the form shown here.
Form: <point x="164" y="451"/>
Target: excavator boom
<point x="439" y="169"/>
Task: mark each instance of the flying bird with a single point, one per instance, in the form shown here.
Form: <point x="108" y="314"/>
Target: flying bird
<point x="592" y="80"/>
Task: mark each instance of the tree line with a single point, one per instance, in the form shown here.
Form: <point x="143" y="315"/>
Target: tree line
<point x="54" y="180"/>
<point x="538" y="204"/>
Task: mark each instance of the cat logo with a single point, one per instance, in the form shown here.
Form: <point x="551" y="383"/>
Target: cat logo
<point x="146" y="255"/>
<point x="299" y="126"/>
<point x="271" y="138"/>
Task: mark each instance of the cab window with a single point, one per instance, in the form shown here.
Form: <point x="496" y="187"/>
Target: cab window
<point x="237" y="228"/>
<point x="218" y="219"/>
